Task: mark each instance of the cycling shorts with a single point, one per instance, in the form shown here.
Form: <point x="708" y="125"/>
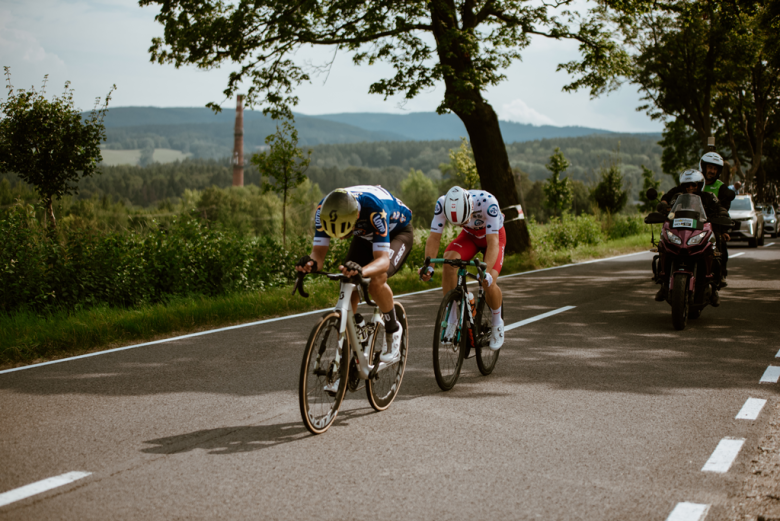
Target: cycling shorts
<point x="467" y="246"/>
<point x="362" y="251"/>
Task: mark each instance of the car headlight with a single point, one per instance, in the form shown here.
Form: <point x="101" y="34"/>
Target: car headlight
<point x="696" y="239"/>
<point x="771" y="220"/>
<point x="672" y="237"/>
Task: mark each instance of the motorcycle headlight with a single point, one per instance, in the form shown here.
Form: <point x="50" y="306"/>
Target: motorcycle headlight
<point x="672" y="237"/>
<point x="696" y="239"/>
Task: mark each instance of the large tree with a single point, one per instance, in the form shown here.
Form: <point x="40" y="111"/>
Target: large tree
<point x="464" y="44"/>
<point x="47" y="142"/>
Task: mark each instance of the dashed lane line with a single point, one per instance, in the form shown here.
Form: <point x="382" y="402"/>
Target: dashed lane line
<point x="688" y="512"/>
<point x="538" y="317"/>
<point x="771" y="375"/>
<point x="751" y="409"/>
<point x="724" y="455"/>
<point x="39" y="487"/>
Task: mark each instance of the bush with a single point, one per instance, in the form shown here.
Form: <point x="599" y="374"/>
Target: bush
<point x="566" y="232"/>
<point x="625" y="226"/>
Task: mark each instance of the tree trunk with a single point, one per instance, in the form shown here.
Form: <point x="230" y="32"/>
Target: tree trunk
<point x="50" y="212"/>
<point x="478" y="116"/>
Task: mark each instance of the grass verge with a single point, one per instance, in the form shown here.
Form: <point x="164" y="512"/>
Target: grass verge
<point x="27" y="338"/>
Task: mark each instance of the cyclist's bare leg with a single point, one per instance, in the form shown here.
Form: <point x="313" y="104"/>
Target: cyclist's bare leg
<point x="449" y="276"/>
<point x="493" y="294"/>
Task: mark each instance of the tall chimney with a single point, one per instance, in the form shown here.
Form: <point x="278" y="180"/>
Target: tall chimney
<point x="238" y="145"/>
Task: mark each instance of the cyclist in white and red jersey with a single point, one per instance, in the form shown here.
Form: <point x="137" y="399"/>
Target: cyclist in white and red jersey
<point x="477" y="212"/>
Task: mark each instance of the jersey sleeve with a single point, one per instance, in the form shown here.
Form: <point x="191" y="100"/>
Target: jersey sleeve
<point x="494" y="221"/>
<point x="439" y="220"/>
<point x="320" y="237"/>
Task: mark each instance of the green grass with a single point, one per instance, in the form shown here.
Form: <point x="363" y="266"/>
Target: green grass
<point x="27" y="338"/>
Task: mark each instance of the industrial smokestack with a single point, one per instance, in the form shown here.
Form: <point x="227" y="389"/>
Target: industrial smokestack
<point x="238" y="145"/>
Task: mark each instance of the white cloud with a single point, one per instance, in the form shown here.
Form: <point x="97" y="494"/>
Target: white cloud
<point x="17" y="45"/>
<point x="518" y="111"/>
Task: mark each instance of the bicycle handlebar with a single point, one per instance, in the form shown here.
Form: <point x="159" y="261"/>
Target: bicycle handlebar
<point x="333" y="276"/>
<point x="481" y="266"/>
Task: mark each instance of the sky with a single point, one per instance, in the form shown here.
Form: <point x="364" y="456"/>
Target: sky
<point x="97" y="43"/>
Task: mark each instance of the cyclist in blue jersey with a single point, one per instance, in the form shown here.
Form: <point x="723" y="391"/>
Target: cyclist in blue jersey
<point x="383" y="235"/>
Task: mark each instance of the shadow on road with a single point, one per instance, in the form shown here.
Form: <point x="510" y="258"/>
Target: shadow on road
<point x="248" y="438"/>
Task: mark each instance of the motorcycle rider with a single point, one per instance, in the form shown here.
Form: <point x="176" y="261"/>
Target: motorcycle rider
<point x="711" y="165"/>
<point x="691" y="182"/>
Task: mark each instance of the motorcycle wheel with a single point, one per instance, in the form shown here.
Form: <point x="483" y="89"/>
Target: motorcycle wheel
<point x="680" y="302"/>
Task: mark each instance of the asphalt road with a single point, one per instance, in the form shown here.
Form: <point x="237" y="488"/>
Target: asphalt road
<point x="600" y="412"/>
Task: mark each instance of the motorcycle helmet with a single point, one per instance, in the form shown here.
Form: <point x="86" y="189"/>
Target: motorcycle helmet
<point x="692" y="176"/>
<point x="458" y="206"/>
<point x="711" y="158"/>
<point x="339" y="213"/>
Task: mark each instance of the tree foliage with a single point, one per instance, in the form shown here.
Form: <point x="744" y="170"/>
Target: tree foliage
<point x="462" y="170"/>
<point x="608" y="192"/>
<point x="284" y="166"/>
<point x="558" y="192"/>
<point x="419" y="193"/>
<point x="47" y="143"/>
<point x="463" y="44"/>
<point x="648" y="181"/>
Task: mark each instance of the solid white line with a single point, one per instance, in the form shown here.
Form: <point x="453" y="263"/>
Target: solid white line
<point x="771" y="375"/>
<point x="32" y="489"/>
<point x="751" y="409"/>
<point x="736" y="255"/>
<point x="219" y="330"/>
<point x="538" y="317"/>
<point x="725" y="454"/>
<point x="688" y="512"/>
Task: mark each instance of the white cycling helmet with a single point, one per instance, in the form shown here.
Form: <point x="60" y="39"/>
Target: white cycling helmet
<point x="457" y="206"/>
<point x="692" y="176"/>
<point x="711" y="158"/>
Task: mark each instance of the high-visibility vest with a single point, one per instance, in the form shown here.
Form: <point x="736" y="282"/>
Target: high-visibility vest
<point x="714" y="188"/>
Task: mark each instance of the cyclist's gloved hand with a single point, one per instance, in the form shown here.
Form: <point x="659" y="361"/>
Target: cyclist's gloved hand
<point x="351" y="266"/>
<point x="427" y="274"/>
<point x="303" y="264"/>
<point x="488" y="278"/>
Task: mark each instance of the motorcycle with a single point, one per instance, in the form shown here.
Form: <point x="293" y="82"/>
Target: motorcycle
<point x="688" y="244"/>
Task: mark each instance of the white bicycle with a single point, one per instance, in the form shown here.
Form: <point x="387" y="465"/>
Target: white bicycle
<point x="341" y="355"/>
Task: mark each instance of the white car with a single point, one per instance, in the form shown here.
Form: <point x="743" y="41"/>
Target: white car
<point x="749" y="223"/>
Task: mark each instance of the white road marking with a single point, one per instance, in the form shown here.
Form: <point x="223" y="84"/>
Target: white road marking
<point x="538" y="317"/>
<point x="771" y="375"/>
<point x="768" y="245"/>
<point x="736" y="255"/>
<point x="32" y="489"/>
<point x="688" y="512"/>
<point x="751" y="409"/>
<point x="249" y="324"/>
<point x="725" y="454"/>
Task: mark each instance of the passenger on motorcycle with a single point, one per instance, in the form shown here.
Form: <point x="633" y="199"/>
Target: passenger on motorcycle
<point x="477" y="212"/>
<point x="383" y="237"/>
<point x="711" y="165"/>
<point x="691" y="182"/>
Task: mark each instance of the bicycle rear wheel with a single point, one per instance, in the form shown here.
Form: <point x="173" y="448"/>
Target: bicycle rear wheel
<point x="323" y="380"/>
<point x="486" y="357"/>
<point x="448" y="356"/>
<point x="383" y="388"/>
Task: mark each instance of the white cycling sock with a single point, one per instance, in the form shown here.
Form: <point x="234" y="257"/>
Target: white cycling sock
<point x="453" y="317"/>
<point x="497" y="316"/>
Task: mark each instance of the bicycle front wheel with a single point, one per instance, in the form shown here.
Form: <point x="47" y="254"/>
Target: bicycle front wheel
<point x="448" y="350"/>
<point x="383" y="388"/>
<point x="486" y="357"/>
<point x="324" y="370"/>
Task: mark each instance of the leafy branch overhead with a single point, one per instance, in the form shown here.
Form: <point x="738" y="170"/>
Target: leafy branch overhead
<point x="480" y="38"/>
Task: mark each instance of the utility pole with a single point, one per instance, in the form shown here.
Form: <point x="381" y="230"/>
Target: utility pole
<point x="238" y="144"/>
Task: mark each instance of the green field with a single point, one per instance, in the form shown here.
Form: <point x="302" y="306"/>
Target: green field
<point x="132" y="157"/>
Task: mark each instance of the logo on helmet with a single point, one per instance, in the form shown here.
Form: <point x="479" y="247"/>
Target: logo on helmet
<point x="333" y="215"/>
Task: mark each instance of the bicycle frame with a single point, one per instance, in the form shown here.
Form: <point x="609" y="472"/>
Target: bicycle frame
<point x="347" y="329"/>
<point x="463" y="273"/>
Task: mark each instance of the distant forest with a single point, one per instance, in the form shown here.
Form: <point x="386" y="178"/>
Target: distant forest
<point x="385" y="163"/>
